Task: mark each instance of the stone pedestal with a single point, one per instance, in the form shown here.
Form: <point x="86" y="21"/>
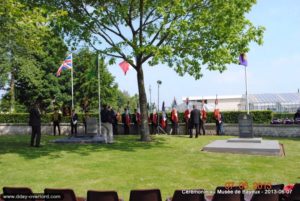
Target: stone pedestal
<point x="245" y="126"/>
<point x="253" y="146"/>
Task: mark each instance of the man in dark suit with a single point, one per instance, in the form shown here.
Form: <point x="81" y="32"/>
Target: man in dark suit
<point x="195" y="120"/>
<point x="35" y="123"/>
<point x="74" y="119"/>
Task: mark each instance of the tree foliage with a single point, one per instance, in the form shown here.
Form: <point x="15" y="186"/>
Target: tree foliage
<point x="86" y="81"/>
<point x="186" y="35"/>
<point x="24" y="31"/>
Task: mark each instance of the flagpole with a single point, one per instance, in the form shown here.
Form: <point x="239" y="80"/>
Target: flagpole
<point x="247" y="101"/>
<point x="99" y="95"/>
<point x="72" y="83"/>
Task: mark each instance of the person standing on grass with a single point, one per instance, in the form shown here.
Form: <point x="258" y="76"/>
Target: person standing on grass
<point x="154" y="121"/>
<point x="204" y="111"/>
<point x="174" y="119"/>
<point x="195" y="120"/>
<point x="126" y="121"/>
<point x="187" y="116"/>
<point x="219" y="123"/>
<point x="74" y="120"/>
<point x="114" y="121"/>
<point x="35" y="123"/>
<point x="56" y="118"/>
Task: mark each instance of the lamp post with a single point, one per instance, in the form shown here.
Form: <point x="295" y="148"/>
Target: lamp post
<point x="247" y="100"/>
<point x="158" y="84"/>
<point x="150" y="105"/>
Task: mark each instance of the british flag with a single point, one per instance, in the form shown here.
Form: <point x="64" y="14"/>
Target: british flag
<point x="66" y="65"/>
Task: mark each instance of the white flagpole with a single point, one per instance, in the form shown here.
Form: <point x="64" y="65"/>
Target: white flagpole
<point x="99" y="95"/>
<point x="72" y="83"/>
<point x="247" y="101"/>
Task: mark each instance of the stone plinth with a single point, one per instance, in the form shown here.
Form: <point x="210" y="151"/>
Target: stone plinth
<point x="253" y="146"/>
<point x="81" y="140"/>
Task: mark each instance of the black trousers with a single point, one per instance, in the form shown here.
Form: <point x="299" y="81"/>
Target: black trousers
<point x="202" y="126"/>
<point x="187" y="129"/>
<point x="35" y="136"/>
<point x="175" y="128"/>
<point x="56" y="124"/>
<point x="126" y="129"/>
<point x="197" y="130"/>
<point x="153" y="128"/>
<point x="218" y="128"/>
<point x="73" y="129"/>
<point x="115" y="129"/>
<point x="137" y="128"/>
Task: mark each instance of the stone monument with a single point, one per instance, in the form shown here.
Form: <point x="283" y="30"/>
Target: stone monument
<point x="245" y="126"/>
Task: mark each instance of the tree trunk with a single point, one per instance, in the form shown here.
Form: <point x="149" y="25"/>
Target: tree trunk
<point x="145" y="135"/>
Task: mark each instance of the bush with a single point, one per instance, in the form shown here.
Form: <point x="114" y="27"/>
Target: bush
<point x="46" y="118"/>
<point x="232" y="117"/>
<point x="283" y="115"/>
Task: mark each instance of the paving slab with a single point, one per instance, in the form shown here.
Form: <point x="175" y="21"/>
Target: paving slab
<point x="242" y="146"/>
<point x="83" y="140"/>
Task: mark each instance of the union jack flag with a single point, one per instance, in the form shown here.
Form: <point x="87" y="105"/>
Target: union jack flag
<point x="66" y="65"/>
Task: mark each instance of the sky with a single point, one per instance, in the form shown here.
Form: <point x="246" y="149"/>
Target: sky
<point x="273" y="67"/>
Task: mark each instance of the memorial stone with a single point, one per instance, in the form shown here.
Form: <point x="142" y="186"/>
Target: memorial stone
<point x="91" y="126"/>
<point x="245" y="126"/>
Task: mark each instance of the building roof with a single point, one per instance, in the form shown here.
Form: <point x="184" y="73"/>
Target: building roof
<point x="274" y="98"/>
<point x="193" y="98"/>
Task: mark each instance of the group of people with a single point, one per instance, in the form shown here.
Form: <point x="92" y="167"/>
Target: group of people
<point x="159" y="123"/>
<point x="196" y="119"/>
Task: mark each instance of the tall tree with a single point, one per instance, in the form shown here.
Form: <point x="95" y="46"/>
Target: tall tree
<point x="86" y="81"/>
<point x="23" y="29"/>
<point x="186" y="35"/>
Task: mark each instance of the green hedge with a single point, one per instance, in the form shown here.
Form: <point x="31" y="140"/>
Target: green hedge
<point x="262" y="117"/>
<point x="283" y="115"/>
<point x="229" y="117"/>
<point x="24" y="118"/>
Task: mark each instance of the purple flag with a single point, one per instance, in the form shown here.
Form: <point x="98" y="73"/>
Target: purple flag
<point x="243" y="59"/>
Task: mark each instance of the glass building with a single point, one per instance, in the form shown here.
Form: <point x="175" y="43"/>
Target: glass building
<point x="281" y="102"/>
<point x="285" y="102"/>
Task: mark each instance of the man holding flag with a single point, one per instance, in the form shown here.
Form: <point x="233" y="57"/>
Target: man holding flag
<point x="163" y="118"/>
<point x="187" y="117"/>
<point x="174" y="118"/>
<point x="204" y="111"/>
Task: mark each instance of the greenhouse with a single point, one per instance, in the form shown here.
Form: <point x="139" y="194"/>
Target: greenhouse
<point x="285" y="102"/>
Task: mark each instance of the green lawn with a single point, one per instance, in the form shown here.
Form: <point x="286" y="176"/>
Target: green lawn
<point x="167" y="163"/>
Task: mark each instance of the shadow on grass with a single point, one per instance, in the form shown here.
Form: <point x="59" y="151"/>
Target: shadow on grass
<point x="19" y="144"/>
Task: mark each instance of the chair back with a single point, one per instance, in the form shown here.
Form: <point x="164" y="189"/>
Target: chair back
<point x="17" y="191"/>
<point x="145" y="195"/>
<point x="66" y="194"/>
<point x="268" y="194"/>
<point x="102" y="196"/>
<point x="188" y="195"/>
<point x="295" y="194"/>
<point x="228" y="194"/>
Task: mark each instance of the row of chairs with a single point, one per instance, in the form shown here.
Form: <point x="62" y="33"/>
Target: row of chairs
<point x="221" y="194"/>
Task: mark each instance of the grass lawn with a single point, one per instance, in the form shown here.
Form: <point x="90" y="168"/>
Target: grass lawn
<point x="167" y="163"/>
